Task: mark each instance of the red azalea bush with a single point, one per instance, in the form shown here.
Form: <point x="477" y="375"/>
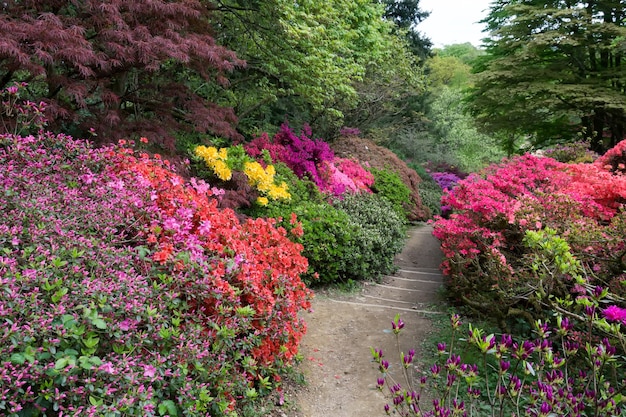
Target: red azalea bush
<point x="261" y="264"/>
<point x="127" y="292"/>
<point x="487" y="266"/>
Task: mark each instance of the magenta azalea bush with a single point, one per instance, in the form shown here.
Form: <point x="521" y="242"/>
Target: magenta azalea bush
<point x="300" y="153"/>
<point x="343" y="175"/>
<point x="489" y="269"/>
<point x="313" y="159"/>
<point x="127" y="292"/>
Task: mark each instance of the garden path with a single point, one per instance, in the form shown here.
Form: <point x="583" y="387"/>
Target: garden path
<point x="340" y="376"/>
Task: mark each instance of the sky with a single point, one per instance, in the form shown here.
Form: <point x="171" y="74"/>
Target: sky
<point x="453" y="21"/>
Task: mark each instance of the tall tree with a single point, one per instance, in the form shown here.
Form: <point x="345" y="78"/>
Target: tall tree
<point x="554" y="69"/>
<point x="406" y="14"/>
<point x="305" y="59"/>
<point x="111" y="65"/>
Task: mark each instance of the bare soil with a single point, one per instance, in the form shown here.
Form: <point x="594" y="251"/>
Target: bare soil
<point x="340" y="377"/>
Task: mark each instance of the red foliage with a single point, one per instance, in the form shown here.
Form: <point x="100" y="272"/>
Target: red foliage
<point x="110" y="64"/>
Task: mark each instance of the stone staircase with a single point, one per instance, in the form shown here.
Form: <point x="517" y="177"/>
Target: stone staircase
<point x="416" y="283"/>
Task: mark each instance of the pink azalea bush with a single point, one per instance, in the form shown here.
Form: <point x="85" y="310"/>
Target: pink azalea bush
<point x="343" y="175"/>
<point x="127" y="292"/>
<point x="487" y="266"/>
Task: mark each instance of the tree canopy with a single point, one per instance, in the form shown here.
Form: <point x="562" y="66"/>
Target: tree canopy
<point x="407" y="15"/>
<point x="554" y="70"/>
<point x="227" y="68"/>
<point x="306" y="60"/>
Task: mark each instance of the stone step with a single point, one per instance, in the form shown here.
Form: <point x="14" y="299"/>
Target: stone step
<point x="422" y="284"/>
<point x="369" y="302"/>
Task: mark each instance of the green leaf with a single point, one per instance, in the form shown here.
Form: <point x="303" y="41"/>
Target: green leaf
<point x="56" y="297"/>
<point x="61" y="363"/>
<point x="99" y="323"/>
<point x="168" y="407"/>
<point x="18" y="358"/>
<point x="95" y="401"/>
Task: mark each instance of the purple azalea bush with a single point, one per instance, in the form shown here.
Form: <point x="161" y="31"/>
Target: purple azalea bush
<point x="446" y="180"/>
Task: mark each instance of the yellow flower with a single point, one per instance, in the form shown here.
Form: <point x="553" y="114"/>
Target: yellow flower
<point x="208" y="154"/>
<point x="215" y="160"/>
<point x="222" y="171"/>
<point x="279" y="192"/>
<point x="263" y="180"/>
<point x="262" y="201"/>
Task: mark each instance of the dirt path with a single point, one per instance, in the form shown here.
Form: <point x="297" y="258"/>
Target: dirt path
<point x="341" y="379"/>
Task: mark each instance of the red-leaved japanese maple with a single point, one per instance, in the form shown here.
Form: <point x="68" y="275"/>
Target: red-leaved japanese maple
<point x="117" y="66"/>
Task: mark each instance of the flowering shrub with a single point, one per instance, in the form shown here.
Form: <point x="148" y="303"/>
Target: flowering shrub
<point x="571" y="366"/>
<point x="342" y="175"/>
<point x="446" y="180"/>
<point x="260" y="178"/>
<point x="127" y="292"/>
<point x="20" y="116"/>
<point x="216" y="160"/>
<point x="300" y="153"/>
<point x="614" y="160"/>
<point x="576" y="152"/>
<point x="442" y="166"/>
<point x="558" y="372"/>
<point x="487" y="264"/>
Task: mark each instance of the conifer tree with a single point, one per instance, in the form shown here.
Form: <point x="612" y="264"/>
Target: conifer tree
<point x="554" y="71"/>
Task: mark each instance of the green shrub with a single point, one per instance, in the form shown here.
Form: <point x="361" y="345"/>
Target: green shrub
<point x="328" y="236"/>
<point x="380" y="236"/>
<point x="389" y="185"/>
<point x="430" y="193"/>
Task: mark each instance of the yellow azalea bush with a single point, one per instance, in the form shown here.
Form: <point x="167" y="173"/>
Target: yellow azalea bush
<point x="216" y="160"/>
<point x="263" y="180"/>
<point x="223" y="161"/>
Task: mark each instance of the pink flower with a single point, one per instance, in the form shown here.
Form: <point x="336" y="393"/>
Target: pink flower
<point x="149" y="371"/>
<point x="107" y="367"/>
<point x="615" y="313"/>
<point x="125" y="325"/>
